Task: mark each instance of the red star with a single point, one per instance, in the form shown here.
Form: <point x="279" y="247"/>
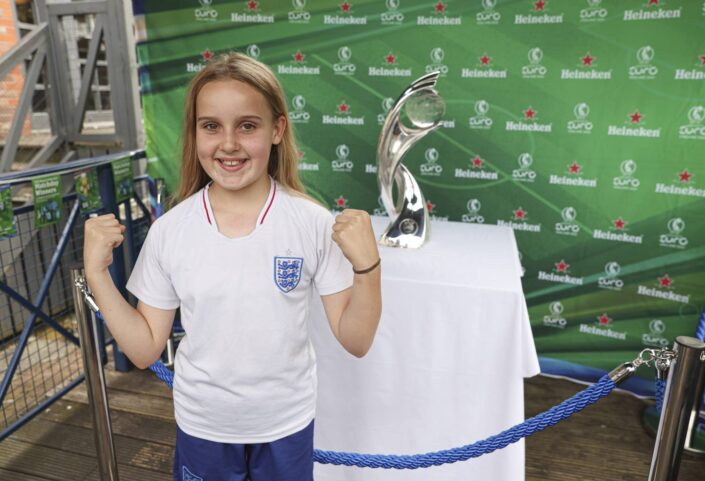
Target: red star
<point x="301" y="154"/>
<point x="587" y="59"/>
<point x="345" y="7"/>
<point x="299" y="57"/>
<point x="574" y="168"/>
<point x="665" y="281"/>
<point x="477" y="162"/>
<point x="702" y="60"/>
<point x="604" y="319"/>
<point x="485" y="60"/>
<point x="529" y="113"/>
<point x="252" y="5"/>
<point x="561" y="266"/>
<point x="440" y="7"/>
<point x="653" y="2"/>
<point x="430" y="206"/>
<point x="539" y="5"/>
<point x="343" y="107"/>
<point x="390" y="59"/>
<point x="207" y="55"/>
<point x="685" y="176"/>
<point x="341" y="201"/>
<point x="619" y="224"/>
<point x="636" y="117"/>
<point x="520" y="213"/>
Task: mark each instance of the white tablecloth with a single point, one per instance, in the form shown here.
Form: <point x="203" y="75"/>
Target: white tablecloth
<point x="447" y="365"/>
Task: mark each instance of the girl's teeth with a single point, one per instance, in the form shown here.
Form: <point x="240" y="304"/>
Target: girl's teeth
<point x="231" y="163"/>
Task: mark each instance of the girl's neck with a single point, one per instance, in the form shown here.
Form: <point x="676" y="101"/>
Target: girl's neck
<point x="248" y="200"/>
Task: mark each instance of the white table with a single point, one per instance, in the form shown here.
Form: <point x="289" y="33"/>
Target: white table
<point x="447" y="365"/>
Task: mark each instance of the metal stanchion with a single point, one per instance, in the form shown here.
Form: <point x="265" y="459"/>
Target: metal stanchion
<point x="690" y="438"/>
<point x="95" y="380"/>
<point x="686" y="369"/>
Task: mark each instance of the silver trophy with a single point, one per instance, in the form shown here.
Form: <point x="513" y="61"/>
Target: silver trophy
<point x="424" y="108"/>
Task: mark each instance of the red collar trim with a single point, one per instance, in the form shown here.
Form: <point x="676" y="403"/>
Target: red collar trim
<point x="205" y="206"/>
<point x="271" y="201"/>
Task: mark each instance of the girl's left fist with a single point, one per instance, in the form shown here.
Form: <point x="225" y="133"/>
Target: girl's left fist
<point x="352" y="231"/>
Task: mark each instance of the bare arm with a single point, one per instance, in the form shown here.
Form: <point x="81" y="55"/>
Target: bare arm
<point x="142" y="332"/>
<point x="353" y="314"/>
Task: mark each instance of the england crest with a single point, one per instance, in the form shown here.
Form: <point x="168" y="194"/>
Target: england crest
<point x="287" y="272"/>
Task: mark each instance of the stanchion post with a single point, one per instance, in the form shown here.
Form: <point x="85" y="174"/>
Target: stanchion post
<point x="694" y="414"/>
<point x="95" y="382"/>
<point x="683" y="376"/>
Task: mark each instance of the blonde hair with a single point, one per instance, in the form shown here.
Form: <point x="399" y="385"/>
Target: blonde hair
<point x="283" y="158"/>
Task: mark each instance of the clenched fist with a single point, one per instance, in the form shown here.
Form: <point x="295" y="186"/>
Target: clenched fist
<point x="352" y="231"/>
<point x="101" y="235"/>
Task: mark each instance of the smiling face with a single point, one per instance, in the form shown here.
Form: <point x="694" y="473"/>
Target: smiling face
<point x="235" y="131"/>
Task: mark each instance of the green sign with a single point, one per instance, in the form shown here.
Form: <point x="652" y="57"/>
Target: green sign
<point x="88" y="191"/>
<point x="580" y="125"/>
<point x="122" y="177"/>
<point x="47" y="200"/>
<point x="7" y="216"/>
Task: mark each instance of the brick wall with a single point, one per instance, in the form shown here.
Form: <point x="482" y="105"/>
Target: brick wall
<point x="11" y="84"/>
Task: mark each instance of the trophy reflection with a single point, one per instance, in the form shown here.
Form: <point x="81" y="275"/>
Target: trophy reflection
<point x="421" y="104"/>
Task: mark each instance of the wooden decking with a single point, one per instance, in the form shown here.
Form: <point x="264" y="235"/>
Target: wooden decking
<point x="604" y="442"/>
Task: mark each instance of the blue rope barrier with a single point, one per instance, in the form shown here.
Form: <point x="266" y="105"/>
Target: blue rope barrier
<point x="660" y="388"/>
<point x="549" y="418"/>
<point x="535" y="424"/>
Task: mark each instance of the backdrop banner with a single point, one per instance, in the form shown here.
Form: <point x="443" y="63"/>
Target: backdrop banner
<point x="581" y="125"/>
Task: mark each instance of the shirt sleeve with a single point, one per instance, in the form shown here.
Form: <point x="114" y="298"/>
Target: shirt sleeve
<point x="149" y="281"/>
<point x="334" y="272"/>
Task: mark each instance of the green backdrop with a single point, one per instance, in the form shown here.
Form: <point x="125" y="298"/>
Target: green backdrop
<point x="581" y="124"/>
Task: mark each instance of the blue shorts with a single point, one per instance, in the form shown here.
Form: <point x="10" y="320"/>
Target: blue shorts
<point x="286" y="459"/>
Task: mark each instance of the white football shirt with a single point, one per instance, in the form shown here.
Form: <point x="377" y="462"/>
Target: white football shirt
<point x="245" y="370"/>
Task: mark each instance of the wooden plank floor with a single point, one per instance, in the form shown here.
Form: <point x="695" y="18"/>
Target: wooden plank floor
<point x="604" y="442"/>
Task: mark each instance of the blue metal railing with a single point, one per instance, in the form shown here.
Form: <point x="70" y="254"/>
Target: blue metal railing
<point x="35" y="291"/>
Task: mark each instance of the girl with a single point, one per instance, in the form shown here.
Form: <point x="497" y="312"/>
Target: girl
<point x="240" y="255"/>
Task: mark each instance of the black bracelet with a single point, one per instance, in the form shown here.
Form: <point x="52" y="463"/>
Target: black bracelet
<point x="369" y="269"/>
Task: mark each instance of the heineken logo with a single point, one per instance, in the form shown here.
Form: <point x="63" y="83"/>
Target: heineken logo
<point x="252" y="14"/>
<point x="560" y="274"/>
<point x="345" y="16"/>
<point x="664" y="290"/>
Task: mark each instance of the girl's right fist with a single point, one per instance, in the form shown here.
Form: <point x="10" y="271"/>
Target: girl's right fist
<point x="101" y="235"/>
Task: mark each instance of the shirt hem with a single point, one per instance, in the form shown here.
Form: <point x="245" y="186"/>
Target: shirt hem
<point x="264" y="438"/>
